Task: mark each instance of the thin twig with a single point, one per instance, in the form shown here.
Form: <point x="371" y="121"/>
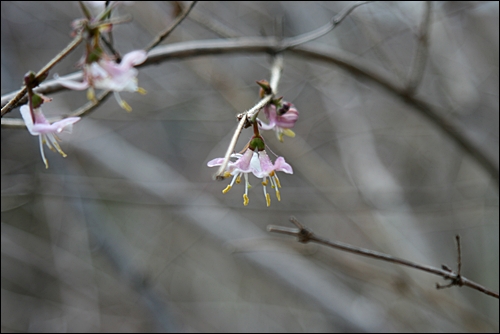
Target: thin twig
<point x="306" y="235"/>
<point x="458" y="280"/>
<point x="43" y="72"/>
<point x="164" y="34"/>
<point x="420" y="57"/>
<point x="307" y="37"/>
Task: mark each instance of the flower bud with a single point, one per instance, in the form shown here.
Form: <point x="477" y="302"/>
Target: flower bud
<point x="257" y="144"/>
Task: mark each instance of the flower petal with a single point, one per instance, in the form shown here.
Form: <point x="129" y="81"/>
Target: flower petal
<point x="281" y="165"/>
<point x="75" y="85"/>
<point x="133" y="58"/>
<point x="26" y="114"/>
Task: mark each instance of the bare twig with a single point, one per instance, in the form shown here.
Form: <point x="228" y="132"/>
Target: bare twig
<point x="335" y="21"/>
<point x="420" y="57"/>
<point x="43" y="72"/>
<point x="164" y="34"/>
<point x="306" y="235"/>
<point x="458" y="281"/>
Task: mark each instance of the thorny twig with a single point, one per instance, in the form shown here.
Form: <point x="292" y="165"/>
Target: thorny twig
<point x="306" y="235"/>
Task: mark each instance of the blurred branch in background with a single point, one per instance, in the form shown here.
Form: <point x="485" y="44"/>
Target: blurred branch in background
<point x="305" y="235"/>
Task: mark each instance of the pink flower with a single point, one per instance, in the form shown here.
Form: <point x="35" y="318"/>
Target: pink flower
<point x="260" y="165"/>
<point x="106" y="74"/>
<point x="281" y="120"/>
<point x="47" y="132"/>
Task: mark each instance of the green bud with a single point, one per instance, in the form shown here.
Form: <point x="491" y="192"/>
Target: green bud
<point x="277" y="102"/>
<point x="257" y="144"/>
<point x="36" y="101"/>
<point x="94" y="56"/>
<point x="265" y="88"/>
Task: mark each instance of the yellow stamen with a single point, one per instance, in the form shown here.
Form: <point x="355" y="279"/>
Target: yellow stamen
<point x="268" y="199"/>
<point x="58" y="148"/>
<point x="91" y="95"/>
<point x="141" y="91"/>
<point x="245" y="199"/>
<point x="238" y="179"/>
<point x="227" y="189"/>
<point x="289" y="133"/>
<point x="227" y="174"/>
<point x="278" y="196"/>
<point x="125" y="106"/>
<point x="277" y="181"/>
<point x="264" y="183"/>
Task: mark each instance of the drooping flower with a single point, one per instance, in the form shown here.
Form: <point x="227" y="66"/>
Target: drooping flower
<point x="281" y="119"/>
<point x="46" y="132"/>
<point x="266" y="169"/>
<point x="258" y="163"/>
<point x="106" y="74"/>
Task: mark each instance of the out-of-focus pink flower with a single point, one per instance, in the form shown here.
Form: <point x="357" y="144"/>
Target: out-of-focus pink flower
<point x="260" y="165"/>
<point x="281" y="120"/>
<point x="106" y="74"/>
<point x="46" y="132"/>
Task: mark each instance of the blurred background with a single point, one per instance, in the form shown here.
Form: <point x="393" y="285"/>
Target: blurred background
<point x="129" y="233"/>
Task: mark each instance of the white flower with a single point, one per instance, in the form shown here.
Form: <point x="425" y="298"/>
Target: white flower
<point x="46" y="132"/>
<point x="257" y="163"/>
<point x="106" y="74"/>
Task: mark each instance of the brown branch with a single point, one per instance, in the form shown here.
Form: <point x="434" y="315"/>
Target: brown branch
<point x="306" y="235"/>
<point x="43" y="72"/>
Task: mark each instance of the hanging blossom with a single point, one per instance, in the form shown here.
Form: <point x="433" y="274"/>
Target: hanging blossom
<point x="106" y="74"/>
<point x="281" y="119"/>
<point x="254" y="160"/>
<point x="46" y="132"/>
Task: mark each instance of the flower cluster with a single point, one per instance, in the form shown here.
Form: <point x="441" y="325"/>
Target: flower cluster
<point x="106" y="74"/>
<point x="254" y="159"/>
<point x="101" y="70"/>
<point x="259" y="164"/>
